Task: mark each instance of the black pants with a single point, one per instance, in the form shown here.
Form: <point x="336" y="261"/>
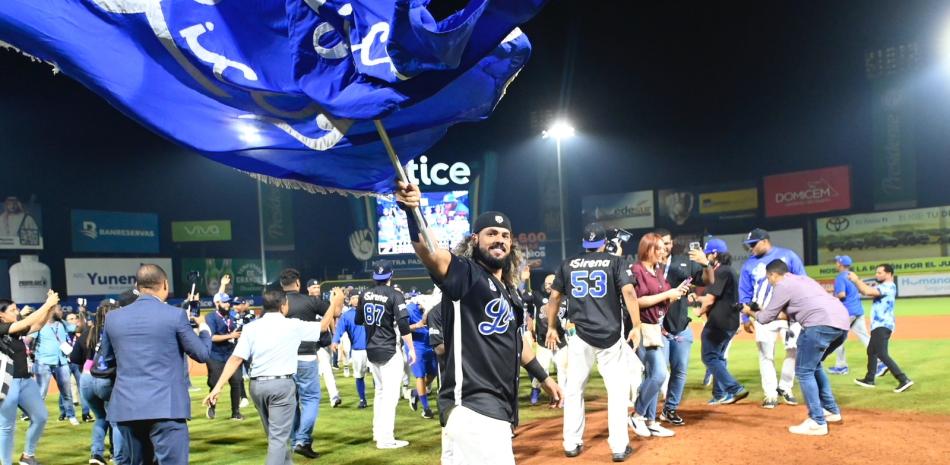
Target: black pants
<point x="877" y="349"/>
<point x="215" y="368"/>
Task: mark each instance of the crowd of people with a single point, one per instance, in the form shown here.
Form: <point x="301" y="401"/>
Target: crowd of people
<point x="622" y="305"/>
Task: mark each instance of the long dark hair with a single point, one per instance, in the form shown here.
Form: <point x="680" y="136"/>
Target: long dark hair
<point x="724" y="258"/>
<point x="93" y="335"/>
<point x="4" y="303"/>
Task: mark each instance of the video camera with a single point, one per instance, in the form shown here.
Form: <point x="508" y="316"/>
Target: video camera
<point x="193" y="306"/>
<point x="616" y="239"/>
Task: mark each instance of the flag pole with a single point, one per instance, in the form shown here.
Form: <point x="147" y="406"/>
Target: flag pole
<point x="402" y="177"/>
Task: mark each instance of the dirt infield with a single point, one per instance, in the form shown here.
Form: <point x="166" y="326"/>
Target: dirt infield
<point x="748" y="434"/>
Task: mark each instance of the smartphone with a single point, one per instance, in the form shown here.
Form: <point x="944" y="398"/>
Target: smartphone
<point x="695" y="246"/>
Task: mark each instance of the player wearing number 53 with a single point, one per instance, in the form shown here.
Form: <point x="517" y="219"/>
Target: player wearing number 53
<point x="382" y="310"/>
<point x="593" y="283"/>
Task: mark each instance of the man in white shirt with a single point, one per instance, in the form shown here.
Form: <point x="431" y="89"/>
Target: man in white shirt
<point x="271" y="343"/>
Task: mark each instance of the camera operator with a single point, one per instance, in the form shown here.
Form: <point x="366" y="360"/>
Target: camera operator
<point x="52" y="352"/>
<point x="224" y="334"/>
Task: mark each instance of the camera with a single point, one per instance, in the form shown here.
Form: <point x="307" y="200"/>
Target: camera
<point x="695" y="246"/>
<point x="616" y="238"/>
<point x="81" y="302"/>
<point x="193" y="276"/>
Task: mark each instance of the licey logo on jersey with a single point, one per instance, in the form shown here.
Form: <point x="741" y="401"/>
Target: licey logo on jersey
<point x="499" y="311"/>
<point x="491" y="285"/>
<point x="593" y="236"/>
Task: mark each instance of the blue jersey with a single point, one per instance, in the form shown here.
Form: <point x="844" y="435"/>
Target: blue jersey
<point x="882" y="309"/>
<point x="416" y="314"/>
<point x="852" y="298"/>
<point x="347" y="324"/>
<point x="753" y="286"/>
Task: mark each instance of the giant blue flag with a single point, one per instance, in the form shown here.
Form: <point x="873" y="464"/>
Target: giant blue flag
<point x="284" y="89"/>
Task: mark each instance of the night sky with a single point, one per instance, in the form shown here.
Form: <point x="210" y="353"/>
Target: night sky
<point x="662" y="96"/>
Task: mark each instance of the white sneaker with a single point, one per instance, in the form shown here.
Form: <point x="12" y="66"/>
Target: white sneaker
<point x="395" y="444"/>
<point x="639" y="425"/>
<point x="73" y="421"/>
<point x="832" y="417"/>
<point x="346" y="371"/>
<point x="809" y="428"/>
<point x="659" y="431"/>
<point x="243" y="403"/>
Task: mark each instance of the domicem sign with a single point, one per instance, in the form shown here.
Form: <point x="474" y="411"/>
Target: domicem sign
<point x="806" y="192"/>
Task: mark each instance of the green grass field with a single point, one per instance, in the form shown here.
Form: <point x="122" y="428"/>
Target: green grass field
<point x="343" y="435"/>
<point x="917" y="306"/>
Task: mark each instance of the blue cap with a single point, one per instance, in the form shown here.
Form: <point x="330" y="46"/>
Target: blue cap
<point x="844" y="260"/>
<point x="716" y="245"/>
<point x="222" y="297"/>
<point x="382" y="272"/>
<point x="237" y="301"/>
<point x="595" y="236"/>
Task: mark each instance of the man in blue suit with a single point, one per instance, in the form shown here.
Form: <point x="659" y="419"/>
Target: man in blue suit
<point x="146" y="340"/>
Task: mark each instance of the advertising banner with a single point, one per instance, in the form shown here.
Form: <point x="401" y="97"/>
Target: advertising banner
<point x="813" y="191"/>
<point x="892" y="111"/>
<point x="901" y="267"/>
<point x="107" y="276"/>
<point x="885" y="236"/>
<point x="247" y="275"/>
<point x="791" y="239"/>
<point x="21" y="225"/>
<point x="114" y="232"/>
<point x="201" y="231"/>
<point x="631" y="210"/>
<point x="923" y="285"/>
<point x="690" y="206"/>
<point x="277" y="212"/>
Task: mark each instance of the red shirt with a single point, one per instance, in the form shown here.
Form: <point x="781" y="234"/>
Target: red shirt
<point x="651" y="284"/>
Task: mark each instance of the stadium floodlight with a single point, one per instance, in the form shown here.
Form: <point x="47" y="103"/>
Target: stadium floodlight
<point x="561" y="129"/>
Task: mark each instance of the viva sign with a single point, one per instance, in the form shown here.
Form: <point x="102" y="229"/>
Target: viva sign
<point x="201" y="231"/>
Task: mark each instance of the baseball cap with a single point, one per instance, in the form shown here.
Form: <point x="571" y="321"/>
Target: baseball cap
<point x="756" y="235"/>
<point x="594" y="236"/>
<point x="237" y="301"/>
<point x="312" y="282"/>
<point x="844" y="260"/>
<point x="222" y="297"/>
<point x="487" y="219"/>
<point x="382" y="272"/>
<point x="716" y="245"/>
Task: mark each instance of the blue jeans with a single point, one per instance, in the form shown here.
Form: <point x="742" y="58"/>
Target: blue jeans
<point x="676" y="350"/>
<point x="814" y="344"/>
<point x="26" y="394"/>
<point x="61" y="373"/>
<point x="714" y="343"/>
<point x="76" y="370"/>
<point x="654" y="366"/>
<point x="96" y="393"/>
<point x="308" y="401"/>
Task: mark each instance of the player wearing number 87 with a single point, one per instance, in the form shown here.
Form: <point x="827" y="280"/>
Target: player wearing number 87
<point x="593" y="283"/>
<point x="382" y="310"/>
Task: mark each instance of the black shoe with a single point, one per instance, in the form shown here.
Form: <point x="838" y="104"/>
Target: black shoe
<point x="25" y="417"/>
<point x="362" y="404"/>
<point x="86" y="418"/>
<point x="62" y="418"/>
<point x="237" y="416"/>
<point x="623" y="456"/>
<point x="336" y="402"/>
<point x="787" y="397"/>
<point x="904" y="385"/>
<point x="25" y="460"/>
<point x="671" y="417"/>
<point x="306" y="451"/>
<point x="97" y="460"/>
<point x="863" y="382"/>
<point x="210" y="412"/>
<point x="414" y="401"/>
<point x="574" y="452"/>
<point x="427" y="413"/>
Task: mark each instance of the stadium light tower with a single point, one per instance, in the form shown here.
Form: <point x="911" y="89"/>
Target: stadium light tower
<point x="560" y="130"/>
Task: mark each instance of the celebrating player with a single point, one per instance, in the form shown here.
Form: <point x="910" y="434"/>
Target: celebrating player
<point x="478" y="399"/>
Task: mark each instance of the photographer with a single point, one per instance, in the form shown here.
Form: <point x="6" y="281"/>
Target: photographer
<point x="719" y="305"/>
<point x="224" y="334"/>
<point x="52" y="351"/>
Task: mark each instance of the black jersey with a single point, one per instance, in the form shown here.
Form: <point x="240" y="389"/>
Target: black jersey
<point x="306" y="308"/>
<point x="434" y="323"/>
<point x="480" y="326"/>
<point x="381" y="310"/>
<point x="592" y="283"/>
<point x="540" y="315"/>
